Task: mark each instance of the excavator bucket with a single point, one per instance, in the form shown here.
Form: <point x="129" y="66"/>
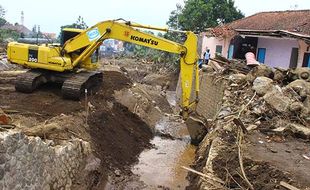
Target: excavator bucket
<point x="197" y="129"/>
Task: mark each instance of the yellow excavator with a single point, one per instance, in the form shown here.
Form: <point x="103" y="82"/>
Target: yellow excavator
<point x="78" y="50"/>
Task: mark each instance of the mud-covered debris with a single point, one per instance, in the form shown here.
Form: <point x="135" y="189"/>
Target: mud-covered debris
<point x="296" y="129"/>
<point x="260" y="71"/>
<point x="302" y="73"/>
<point x="207" y="68"/>
<point x="92" y="163"/>
<point x="251" y="127"/>
<point x="307" y="102"/>
<point x="301" y="87"/>
<point x="238" y="78"/>
<point x="4" y="119"/>
<point x="299" y="129"/>
<point x="296" y="107"/>
<point x="279" y="75"/>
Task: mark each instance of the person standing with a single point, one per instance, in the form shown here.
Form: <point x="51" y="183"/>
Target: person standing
<point x="207" y="56"/>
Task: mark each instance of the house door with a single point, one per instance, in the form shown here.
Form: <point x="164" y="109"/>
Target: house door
<point x="306" y="62"/>
<point x="294" y="58"/>
<point x="230" y="52"/>
<point x="261" y="54"/>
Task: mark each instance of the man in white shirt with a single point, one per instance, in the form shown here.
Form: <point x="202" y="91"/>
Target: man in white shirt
<point x="207" y="56"/>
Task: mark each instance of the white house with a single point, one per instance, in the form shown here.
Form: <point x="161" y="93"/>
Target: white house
<point x="278" y="39"/>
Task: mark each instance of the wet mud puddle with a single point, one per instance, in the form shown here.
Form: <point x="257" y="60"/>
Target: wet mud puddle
<point x="161" y="166"/>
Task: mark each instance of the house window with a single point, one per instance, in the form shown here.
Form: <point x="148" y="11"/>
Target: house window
<point x="294" y="58"/>
<point x="218" y="49"/>
<point x="306" y="62"/>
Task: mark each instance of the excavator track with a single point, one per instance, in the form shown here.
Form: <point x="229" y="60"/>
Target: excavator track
<point x="74" y="87"/>
<point x="74" y="84"/>
<point x="29" y="81"/>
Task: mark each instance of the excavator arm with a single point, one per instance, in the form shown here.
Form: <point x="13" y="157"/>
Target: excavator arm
<point x="92" y="38"/>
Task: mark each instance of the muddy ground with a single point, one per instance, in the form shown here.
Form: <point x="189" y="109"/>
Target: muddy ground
<point x="117" y="135"/>
<point x="116" y="143"/>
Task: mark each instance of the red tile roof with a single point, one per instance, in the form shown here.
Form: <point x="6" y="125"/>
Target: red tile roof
<point x="297" y="21"/>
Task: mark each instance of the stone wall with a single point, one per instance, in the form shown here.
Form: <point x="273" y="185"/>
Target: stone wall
<point x="31" y="163"/>
<point x="211" y="90"/>
<point x="210" y="95"/>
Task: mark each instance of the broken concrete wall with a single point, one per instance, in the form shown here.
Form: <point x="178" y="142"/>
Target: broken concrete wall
<point x="30" y="163"/>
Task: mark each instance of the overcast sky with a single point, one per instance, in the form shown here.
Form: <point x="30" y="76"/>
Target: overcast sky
<point x="50" y="15"/>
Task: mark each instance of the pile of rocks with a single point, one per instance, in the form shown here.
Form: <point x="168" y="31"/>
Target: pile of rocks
<point x="275" y="101"/>
<point x="5" y="65"/>
<point x="261" y="103"/>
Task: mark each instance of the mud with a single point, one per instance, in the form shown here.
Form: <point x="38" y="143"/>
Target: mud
<point x="118" y="143"/>
<point x="161" y="166"/>
<point x="260" y="173"/>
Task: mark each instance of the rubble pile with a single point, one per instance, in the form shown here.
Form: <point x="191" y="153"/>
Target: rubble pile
<point x="260" y="136"/>
<point x="4" y="65"/>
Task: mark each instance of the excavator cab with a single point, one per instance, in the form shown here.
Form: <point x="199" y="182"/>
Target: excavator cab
<point x="68" y="33"/>
<point x="90" y="63"/>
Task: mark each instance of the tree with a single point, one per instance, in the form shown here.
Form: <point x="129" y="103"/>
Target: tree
<point x="2" y="22"/>
<point x="79" y="23"/>
<point x="198" y="15"/>
<point x="2" y="14"/>
<point x="6" y="34"/>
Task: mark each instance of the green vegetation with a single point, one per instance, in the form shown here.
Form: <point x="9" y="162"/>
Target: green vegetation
<point x="162" y="58"/>
<point x="6" y="33"/>
<point x="79" y="23"/>
<point x="198" y="15"/>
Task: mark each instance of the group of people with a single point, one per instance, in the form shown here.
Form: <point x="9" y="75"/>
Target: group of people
<point x="206" y="58"/>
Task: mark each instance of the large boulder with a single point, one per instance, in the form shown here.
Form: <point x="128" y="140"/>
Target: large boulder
<point x="277" y="100"/>
<point x="4" y="119"/>
<point x="301" y="87"/>
<point x="262" y="85"/>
